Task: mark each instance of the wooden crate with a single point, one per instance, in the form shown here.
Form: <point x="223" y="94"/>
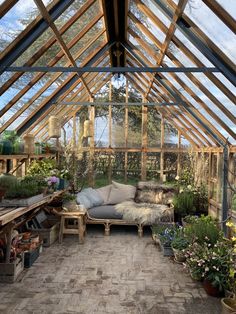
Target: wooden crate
<point x="48" y="235"/>
<point x="10" y="271"/>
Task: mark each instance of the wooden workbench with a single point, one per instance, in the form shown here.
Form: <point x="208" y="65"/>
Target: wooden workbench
<point x="9" y="214"/>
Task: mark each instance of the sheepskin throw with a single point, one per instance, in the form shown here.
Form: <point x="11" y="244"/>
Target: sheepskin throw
<point x="154" y="192"/>
<point x="144" y="213"/>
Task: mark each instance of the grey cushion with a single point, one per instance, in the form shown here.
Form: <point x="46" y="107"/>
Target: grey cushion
<point x="121" y="193"/>
<point x="82" y="199"/>
<point x="104" y="212"/>
<point x="93" y="196"/>
<point x="104" y="192"/>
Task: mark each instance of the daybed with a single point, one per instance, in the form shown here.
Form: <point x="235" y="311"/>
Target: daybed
<point x="120" y="204"/>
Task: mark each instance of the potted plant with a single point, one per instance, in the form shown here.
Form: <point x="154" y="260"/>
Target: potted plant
<point x="165" y="234"/>
<point x="23" y="193"/>
<point x="179" y="244"/>
<point x="203" y="230"/>
<point x="6" y="181"/>
<point x="184" y="204"/>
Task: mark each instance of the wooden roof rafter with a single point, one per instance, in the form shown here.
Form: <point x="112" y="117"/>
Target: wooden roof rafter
<point x="180" y="126"/>
<point x="202" y="42"/>
<point x="69" y="113"/>
<point x="68" y="83"/>
<point x="66" y="108"/>
<point x="178" y="12"/>
<point x="192" y="94"/>
<point x="53" y="40"/>
<point x="138" y="55"/>
<point x="163" y="97"/>
<point x="229" y="115"/>
<point x="48" y="84"/>
<point x="58" y="36"/>
<point x="73" y="42"/>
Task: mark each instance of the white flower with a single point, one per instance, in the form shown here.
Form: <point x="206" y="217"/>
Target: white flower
<point x="207" y="269"/>
<point x="189" y="187"/>
<point x="177" y="178"/>
<point x="181" y="191"/>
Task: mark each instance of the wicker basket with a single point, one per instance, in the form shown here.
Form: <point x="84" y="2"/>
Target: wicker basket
<point x="88" y="128"/>
<point x="54" y="127"/>
<point x="29" y="144"/>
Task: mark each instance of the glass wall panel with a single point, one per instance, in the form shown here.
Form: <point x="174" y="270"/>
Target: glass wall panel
<point x="153" y="166"/>
<point x="135" y="125"/>
<point x="153" y="127"/>
<point x="134" y="167"/>
<point x="118" y="126"/>
<point x="101" y="126"/>
<point x="170" y="166"/>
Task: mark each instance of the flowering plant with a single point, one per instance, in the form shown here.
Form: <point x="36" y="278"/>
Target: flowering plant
<point x="53" y="182"/>
<point x="212" y="262"/>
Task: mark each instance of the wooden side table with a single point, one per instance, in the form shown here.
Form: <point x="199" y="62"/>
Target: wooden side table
<point x="79" y="229"/>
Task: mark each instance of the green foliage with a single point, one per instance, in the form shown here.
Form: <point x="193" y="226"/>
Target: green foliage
<point x="184" y="203"/>
<point x="6" y="181"/>
<point x="179" y="242"/>
<point x="23" y="189"/>
<point x="166" y="233"/>
<point x="41" y="168"/>
<point x="234" y="202"/>
<point x="203" y="230"/>
<point x="212" y="262"/>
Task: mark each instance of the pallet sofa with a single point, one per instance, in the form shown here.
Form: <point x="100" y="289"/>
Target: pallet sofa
<point x="120" y="204"/>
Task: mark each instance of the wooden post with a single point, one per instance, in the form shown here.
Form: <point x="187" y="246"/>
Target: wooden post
<point x="74" y="151"/>
<point x="144" y="142"/>
<point x="178" y="156"/>
<point x="91" y="146"/>
<point x="126" y="129"/>
<point x="231" y="180"/>
<point x="162" y="146"/>
<point x="219" y="177"/>
<point x="110" y="134"/>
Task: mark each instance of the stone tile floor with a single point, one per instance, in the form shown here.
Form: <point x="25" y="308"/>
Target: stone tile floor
<point x="117" y="274"/>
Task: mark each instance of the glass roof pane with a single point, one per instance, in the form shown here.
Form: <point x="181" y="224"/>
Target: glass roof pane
<point x="16" y="20"/>
<point x="68" y="13"/>
<point x="227" y="83"/>
<point x="179" y="55"/>
<point x="220" y="34"/>
<point x="192" y="48"/>
<point x="81" y="22"/>
<point x="229" y="6"/>
<point x="148" y="23"/>
<point x="36" y="45"/>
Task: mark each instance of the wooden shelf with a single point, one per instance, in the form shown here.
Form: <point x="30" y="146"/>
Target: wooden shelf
<point x="6" y="157"/>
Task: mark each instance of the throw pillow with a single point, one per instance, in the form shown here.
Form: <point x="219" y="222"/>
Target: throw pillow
<point x="104" y="192"/>
<point x="93" y="196"/>
<point x="82" y="199"/>
<point x="121" y="193"/>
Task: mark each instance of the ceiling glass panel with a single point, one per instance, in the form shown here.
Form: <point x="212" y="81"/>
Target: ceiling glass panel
<point x="220" y="34"/>
<point x="229" y="6"/>
<point x="192" y="48"/>
<point x="16" y="20"/>
<point x="69" y="12"/>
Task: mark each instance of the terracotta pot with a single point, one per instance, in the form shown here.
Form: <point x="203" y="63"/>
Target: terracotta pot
<point x="179" y="255"/>
<point x="211" y="290"/>
<point x="228" y="306"/>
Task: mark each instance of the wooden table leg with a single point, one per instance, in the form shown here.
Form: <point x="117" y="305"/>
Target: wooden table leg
<point x="62" y="225"/>
<point x="8" y="250"/>
<point x="81" y="229"/>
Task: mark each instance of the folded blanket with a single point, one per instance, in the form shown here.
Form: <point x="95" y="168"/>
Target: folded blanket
<point x="144" y="213"/>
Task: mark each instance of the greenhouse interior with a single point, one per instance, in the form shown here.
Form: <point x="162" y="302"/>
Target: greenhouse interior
<point x="118" y="156"/>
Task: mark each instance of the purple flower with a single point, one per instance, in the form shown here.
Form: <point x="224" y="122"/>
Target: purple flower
<point x="53" y="180"/>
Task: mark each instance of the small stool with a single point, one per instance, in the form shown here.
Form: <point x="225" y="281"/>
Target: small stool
<point x="79" y="229"/>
